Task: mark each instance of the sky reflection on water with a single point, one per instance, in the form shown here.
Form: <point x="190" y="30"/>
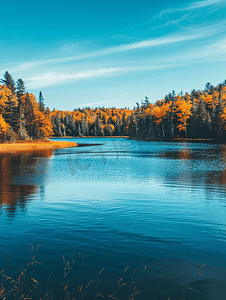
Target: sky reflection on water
<point x="160" y="205"/>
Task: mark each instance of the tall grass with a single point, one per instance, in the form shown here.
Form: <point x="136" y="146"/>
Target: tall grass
<point x="25" y="285"/>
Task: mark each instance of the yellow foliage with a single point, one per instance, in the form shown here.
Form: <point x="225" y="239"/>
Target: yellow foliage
<point x="44" y="125"/>
<point x="3" y="125"/>
<point x="211" y="100"/>
<point x="114" y="119"/>
<point x="160" y="112"/>
<point x="148" y="109"/>
<point x="183" y="112"/>
<point x="6" y="95"/>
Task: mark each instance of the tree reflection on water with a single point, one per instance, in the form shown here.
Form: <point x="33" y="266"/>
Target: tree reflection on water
<point x="22" y="175"/>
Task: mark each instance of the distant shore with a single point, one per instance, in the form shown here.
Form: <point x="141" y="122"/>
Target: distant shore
<point x="178" y="139"/>
<point x="89" y="136"/>
<point x="183" y="140"/>
<point x="34" y="145"/>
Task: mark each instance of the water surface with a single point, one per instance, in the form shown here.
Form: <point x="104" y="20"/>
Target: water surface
<point x="157" y="207"/>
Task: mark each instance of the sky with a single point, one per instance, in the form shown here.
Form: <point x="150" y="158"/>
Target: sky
<point x="99" y="53"/>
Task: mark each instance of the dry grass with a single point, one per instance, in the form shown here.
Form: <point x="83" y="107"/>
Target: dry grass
<point x="34" y="145"/>
<point x="25" y="285"/>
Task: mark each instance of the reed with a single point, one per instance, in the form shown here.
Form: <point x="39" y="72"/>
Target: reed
<point x="25" y="285"/>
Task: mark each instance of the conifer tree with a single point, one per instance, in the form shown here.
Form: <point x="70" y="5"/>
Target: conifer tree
<point x="9" y="82"/>
<point x="20" y="91"/>
<point x="41" y="102"/>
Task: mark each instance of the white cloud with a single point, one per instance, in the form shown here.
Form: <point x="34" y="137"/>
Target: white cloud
<point x="214" y="51"/>
<point x="190" y="7"/>
<point x="93" y="104"/>
<point x="208" y="53"/>
<point x="205" y="3"/>
<point x="24" y="66"/>
<point x="170" y="39"/>
<point x="190" y="10"/>
<point x="157" y="42"/>
<point x="53" y="78"/>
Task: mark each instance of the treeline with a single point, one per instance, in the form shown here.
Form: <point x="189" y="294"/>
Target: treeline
<point x="92" y="122"/>
<point x="21" y="116"/>
<point x="200" y="114"/>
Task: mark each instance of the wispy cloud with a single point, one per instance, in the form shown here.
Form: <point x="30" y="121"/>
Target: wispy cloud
<point x="24" y="66"/>
<point x="50" y="79"/>
<point x="68" y="47"/>
<point x="211" y="52"/>
<point x="191" y="6"/>
<point x="204" y="54"/>
<point x="148" y="43"/>
<point x="158" y="42"/>
<point x="187" y="12"/>
<point x="93" y="103"/>
<point x="205" y="3"/>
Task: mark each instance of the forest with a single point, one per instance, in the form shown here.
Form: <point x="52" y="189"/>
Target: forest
<point x="21" y="116"/>
<point x="199" y="114"/>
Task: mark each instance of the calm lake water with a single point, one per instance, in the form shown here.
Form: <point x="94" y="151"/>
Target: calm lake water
<point x="157" y="207"/>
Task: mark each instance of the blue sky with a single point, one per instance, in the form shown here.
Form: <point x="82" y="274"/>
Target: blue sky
<point x="112" y="53"/>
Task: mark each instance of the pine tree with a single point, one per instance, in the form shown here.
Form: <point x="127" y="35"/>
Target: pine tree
<point x="41" y="102"/>
<point x="20" y="91"/>
<point x="9" y="82"/>
<point x="30" y="108"/>
<point x="10" y="108"/>
<point x="201" y="118"/>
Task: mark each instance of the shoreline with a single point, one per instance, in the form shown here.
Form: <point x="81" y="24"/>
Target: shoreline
<point x="34" y="145"/>
<point x="182" y="140"/>
<point x="179" y="140"/>
<point x="39" y="145"/>
<point x="88" y="137"/>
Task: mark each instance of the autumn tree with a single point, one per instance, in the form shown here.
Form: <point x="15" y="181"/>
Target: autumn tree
<point x="182" y="112"/>
<point x="9" y="107"/>
<point x="4" y="128"/>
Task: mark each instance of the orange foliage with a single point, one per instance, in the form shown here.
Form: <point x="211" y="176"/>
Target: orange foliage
<point x="36" y="119"/>
<point x="44" y="125"/>
<point x="183" y="112"/>
<point x="160" y="112"/>
<point x="3" y="125"/>
<point x="6" y="95"/>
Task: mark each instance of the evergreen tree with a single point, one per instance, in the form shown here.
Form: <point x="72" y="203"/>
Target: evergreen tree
<point x="20" y="91"/>
<point x="41" y="102"/>
<point x="9" y="82"/>
<point x="29" y="113"/>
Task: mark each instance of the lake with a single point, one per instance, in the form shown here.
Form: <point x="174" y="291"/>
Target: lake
<point x="151" y="214"/>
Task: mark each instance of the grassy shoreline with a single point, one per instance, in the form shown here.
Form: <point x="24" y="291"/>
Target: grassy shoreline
<point x="34" y="145"/>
